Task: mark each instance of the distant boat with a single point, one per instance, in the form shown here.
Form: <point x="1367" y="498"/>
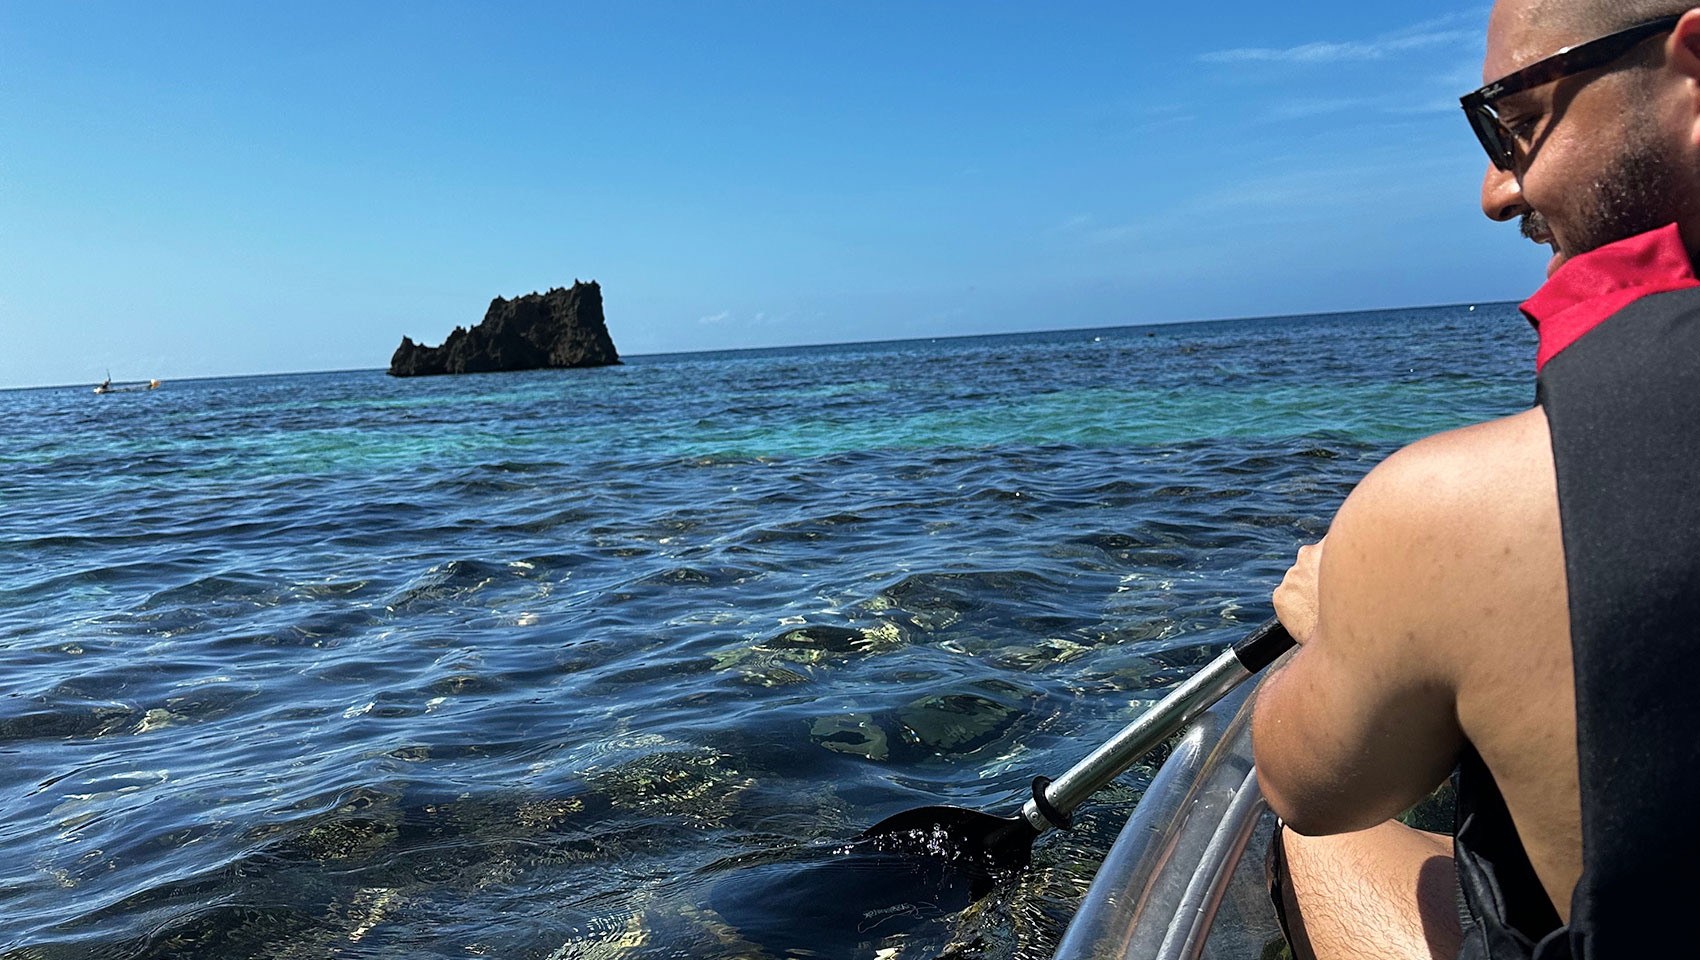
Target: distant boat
<point x="109" y="387"/>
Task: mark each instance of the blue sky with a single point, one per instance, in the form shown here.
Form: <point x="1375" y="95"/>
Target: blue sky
<point x="205" y="189"/>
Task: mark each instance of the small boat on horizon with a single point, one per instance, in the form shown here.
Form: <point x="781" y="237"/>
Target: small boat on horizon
<point x="109" y="387"/>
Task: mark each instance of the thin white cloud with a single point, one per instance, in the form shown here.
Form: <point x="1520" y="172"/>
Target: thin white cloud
<point x="1352" y="50"/>
<point x="761" y="318"/>
<point x="1463" y="27"/>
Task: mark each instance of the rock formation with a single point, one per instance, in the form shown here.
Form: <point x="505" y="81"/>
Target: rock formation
<point x="561" y="328"/>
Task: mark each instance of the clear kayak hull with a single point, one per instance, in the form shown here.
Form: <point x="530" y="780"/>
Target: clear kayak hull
<point x="1185" y="878"/>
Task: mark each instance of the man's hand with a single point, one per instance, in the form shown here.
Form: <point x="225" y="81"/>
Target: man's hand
<point x="1296" y="601"/>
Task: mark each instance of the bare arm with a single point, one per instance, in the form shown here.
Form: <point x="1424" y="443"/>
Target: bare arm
<point x="1362" y="722"/>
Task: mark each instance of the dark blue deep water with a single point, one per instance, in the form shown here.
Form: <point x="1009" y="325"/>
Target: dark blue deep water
<point x="526" y="665"/>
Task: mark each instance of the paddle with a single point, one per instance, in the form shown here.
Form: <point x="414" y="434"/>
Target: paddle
<point x="1000" y="846"/>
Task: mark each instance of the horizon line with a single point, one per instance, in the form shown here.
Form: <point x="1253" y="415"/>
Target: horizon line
<point x="833" y="343"/>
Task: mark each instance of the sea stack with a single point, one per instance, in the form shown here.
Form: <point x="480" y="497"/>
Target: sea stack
<point x="561" y="328"/>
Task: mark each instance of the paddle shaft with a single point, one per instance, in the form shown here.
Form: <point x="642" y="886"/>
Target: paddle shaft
<point x="1236" y="665"/>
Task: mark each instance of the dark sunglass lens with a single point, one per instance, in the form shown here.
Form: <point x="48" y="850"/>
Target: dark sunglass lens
<point x="1492" y="136"/>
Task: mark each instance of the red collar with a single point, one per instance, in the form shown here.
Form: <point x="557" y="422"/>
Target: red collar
<point x="1599" y="283"/>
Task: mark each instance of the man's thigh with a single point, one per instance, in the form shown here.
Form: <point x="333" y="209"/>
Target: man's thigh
<point x="1386" y="893"/>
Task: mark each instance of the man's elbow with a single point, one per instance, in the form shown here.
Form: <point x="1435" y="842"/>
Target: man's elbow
<point x="1303" y="793"/>
<point x="1307" y="817"/>
<point x="1317" y="812"/>
<point x="1301" y="817"/>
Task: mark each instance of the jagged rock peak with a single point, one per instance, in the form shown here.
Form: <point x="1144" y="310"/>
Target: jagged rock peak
<point x="561" y="328"/>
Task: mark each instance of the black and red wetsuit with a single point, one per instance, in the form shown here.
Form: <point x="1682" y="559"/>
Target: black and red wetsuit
<point x="1619" y="378"/>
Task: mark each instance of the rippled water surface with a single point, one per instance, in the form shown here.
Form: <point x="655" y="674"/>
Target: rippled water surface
<point x="577" y="663"/>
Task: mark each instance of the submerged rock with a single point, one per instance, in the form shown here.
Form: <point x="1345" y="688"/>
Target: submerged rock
<point x="561" y="328"/>
<point x="956" y="723"/>
<point x="855" y="733"/>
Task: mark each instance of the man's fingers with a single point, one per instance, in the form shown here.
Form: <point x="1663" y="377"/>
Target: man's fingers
<point x="1296" y="599"/>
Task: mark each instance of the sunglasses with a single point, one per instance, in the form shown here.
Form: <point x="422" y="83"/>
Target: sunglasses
<point x="1499" y="142"/>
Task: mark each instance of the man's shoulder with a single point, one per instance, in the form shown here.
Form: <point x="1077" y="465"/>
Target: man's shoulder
<point x="1487" y="473"/>
<point x="1445" y="535"/>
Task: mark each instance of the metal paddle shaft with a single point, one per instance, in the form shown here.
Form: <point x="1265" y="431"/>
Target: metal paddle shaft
<point x="1198" y="694"/>
<point x="1004" y="844"/>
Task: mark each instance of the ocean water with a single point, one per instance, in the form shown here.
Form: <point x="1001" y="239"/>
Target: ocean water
<point x="566" y="664"/>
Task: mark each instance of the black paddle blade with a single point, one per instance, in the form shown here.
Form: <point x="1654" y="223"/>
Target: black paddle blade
<point x="1000" y="846"/>
<point x="842" y="903"/>
<point x="908" y="871"/>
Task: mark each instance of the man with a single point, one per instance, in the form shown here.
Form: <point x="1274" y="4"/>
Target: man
<point x="1520" y="600"/>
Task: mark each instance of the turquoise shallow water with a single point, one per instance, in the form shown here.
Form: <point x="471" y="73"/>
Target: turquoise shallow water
<point x="520" y="665"/>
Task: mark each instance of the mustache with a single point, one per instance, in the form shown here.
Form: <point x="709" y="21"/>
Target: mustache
<point x="1534" y="225"/>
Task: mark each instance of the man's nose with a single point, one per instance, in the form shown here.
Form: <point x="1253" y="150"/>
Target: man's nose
<point x="1502" y="195"/>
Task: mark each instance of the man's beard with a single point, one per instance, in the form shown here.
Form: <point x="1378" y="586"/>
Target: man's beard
<point x="1634" y="195"/>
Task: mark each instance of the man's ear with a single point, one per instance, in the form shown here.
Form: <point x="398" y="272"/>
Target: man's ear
<point x="1682" y="54"/>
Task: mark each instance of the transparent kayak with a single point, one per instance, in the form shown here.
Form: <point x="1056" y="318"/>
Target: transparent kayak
<point x="1185" y="879"/>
